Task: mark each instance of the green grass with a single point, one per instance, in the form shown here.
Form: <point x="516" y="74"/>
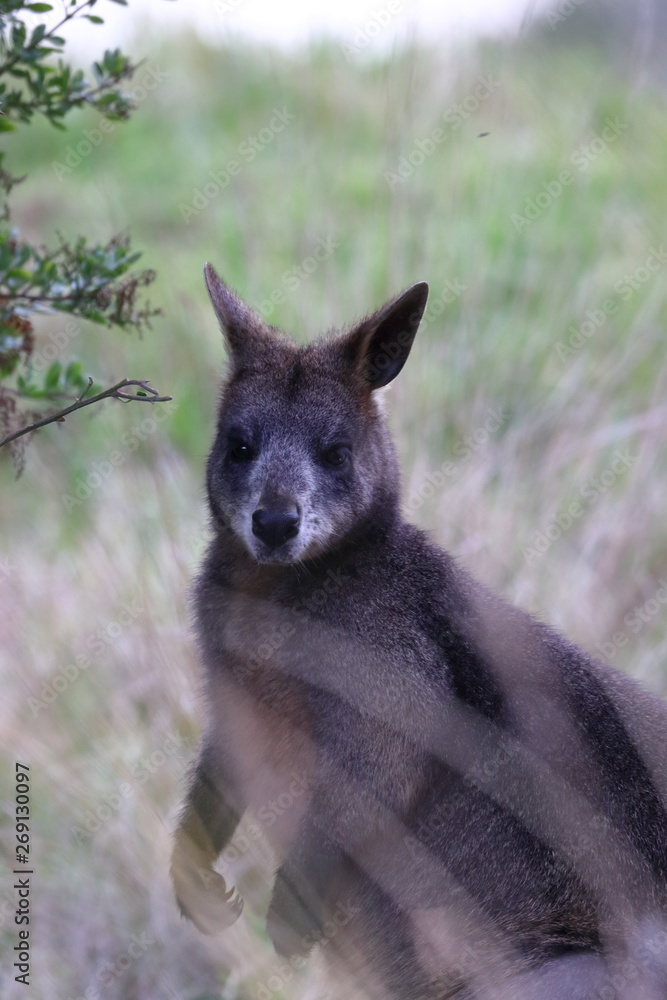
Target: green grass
<point x="138" y="536"/>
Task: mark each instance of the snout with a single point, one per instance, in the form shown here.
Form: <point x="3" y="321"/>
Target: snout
<point x="276" y="525"/>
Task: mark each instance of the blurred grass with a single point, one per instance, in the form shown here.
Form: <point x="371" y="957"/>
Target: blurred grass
<point x="137" y="537"/>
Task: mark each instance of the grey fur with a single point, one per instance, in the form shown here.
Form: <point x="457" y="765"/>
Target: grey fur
<point x="484" y="814"/>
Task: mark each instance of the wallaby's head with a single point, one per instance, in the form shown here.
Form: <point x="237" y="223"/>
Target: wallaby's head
<point x="302" y="456"/>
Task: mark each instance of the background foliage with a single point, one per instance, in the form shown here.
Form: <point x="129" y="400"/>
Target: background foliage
<point x="101" y="539"/>
<point x="76" y="277"/>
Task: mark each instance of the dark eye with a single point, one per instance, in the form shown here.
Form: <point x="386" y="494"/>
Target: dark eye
<point x="240" y="451"/>
<point x="337" y="456"/>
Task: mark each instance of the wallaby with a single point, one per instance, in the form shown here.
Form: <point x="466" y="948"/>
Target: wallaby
<point x="483" y="805"/>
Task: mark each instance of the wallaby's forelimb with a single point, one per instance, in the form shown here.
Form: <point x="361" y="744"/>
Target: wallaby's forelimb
<point x="296" y="913"/>
<point x="207" y="823"/>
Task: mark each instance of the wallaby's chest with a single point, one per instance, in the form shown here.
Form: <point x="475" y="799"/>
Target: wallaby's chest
<point x="330" y="675"/>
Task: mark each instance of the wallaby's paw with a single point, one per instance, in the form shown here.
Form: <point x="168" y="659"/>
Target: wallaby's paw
<point x="297" y="937"/>
<point x="204" y="898"/>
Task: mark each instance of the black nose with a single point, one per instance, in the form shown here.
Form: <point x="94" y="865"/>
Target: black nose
<point x="275" y="527"/>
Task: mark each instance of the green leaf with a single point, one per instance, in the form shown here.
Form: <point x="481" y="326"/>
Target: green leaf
<point x="74" y="372"/>
<point x="107" y="99"/>
<point x="94" y="18"/>
<point x="18" y="35"/>
<point x="8" y="363"/>
<point x="52" y="377"/>
<point x="39" y="8"/>
<point x="38" y="34"/>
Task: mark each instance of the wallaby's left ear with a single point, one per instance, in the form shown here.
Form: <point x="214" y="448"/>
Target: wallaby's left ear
<point x="379" y="346"/>
<point x="245" y="332"/>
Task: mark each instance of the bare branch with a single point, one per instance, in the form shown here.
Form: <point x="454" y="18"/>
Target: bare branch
<point x="144" y="394"/>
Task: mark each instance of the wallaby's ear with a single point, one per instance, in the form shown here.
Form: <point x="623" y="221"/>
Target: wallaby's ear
<point x="378" y="347"/>
<point x="244" y="331"/>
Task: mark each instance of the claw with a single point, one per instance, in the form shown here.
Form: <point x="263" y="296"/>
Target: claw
<point x="203" y="896"/>
<point x="231" y="893"/>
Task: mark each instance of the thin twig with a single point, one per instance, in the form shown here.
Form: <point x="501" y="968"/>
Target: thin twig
<point x="68" y="17"/>
<point x="87" y="97"/>
<point x="26" y="297"/>
<point x="114" y="392"/>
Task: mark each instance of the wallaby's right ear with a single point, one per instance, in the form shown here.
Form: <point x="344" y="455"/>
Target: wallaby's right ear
<point x="243" y="330"/>
<point x="378" y="347"/>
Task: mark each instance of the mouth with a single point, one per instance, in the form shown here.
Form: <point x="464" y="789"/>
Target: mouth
<point x="267" y="557"/>
<point x="294" y="551"/>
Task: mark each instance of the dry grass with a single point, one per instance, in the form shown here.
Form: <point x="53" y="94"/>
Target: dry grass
<point x="137" y="539"/>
